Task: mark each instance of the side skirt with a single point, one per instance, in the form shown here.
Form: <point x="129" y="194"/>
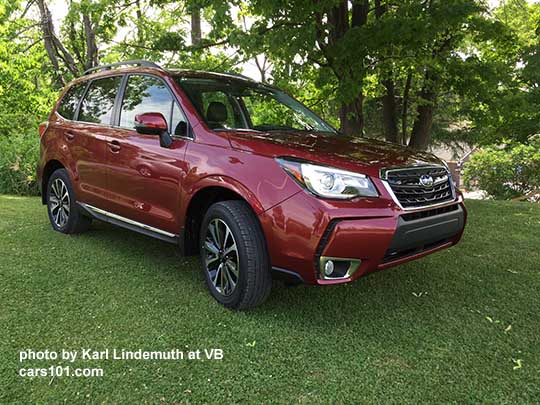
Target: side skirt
<point x="114" y="219"/>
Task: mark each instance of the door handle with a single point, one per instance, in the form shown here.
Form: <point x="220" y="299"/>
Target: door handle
<point x="114" y="146"/>
<point x="69" y="135"/>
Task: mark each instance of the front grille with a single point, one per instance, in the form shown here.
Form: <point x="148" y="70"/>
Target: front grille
<point x="420" y="186"/>
<point x="430" y="213"/>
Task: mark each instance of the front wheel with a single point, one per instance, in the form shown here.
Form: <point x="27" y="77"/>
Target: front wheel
<point x="234" y="256"/>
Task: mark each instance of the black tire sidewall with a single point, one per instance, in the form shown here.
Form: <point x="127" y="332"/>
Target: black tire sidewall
<point x="221" y="212"/>
<point x="63" y="175"/>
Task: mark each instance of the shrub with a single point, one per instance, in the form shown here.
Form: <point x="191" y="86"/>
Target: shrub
<point x="19" y="154"/>
<point x="505" y="172"/>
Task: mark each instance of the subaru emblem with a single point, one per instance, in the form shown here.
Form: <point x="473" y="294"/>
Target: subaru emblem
<point x="426" y="180"/>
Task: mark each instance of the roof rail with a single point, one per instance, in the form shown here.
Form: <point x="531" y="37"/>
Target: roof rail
<point x="239" y="75"/>
<point x="143" y="63"/>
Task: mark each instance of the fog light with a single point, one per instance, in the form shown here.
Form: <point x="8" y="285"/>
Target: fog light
<point x="336" y="268"/>
<point x="329" y="267"/>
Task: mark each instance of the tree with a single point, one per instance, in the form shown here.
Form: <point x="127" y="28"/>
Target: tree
<point x="408" y="71"/>
<point x="315" y="32"/>
<point x="514" y="111"/>
<point x="54" y="47"/>
<point x="25" y="97"/>
<point x="403" y="54"/>
<point x="196" y="31"/>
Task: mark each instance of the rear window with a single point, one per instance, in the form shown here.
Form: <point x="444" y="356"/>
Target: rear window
<point x="69" y="102"/>
<point x="97" y="106"/>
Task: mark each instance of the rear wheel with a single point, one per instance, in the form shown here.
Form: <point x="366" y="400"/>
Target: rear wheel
<point x="64" y="214"/>
<point x="234" y="256"/>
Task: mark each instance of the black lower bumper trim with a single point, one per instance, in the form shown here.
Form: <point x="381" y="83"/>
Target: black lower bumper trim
<point x="287" y="276"/>
<point x="414" y="236"/>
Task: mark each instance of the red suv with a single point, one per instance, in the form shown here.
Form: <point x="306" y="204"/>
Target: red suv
<point x="244" y="175"/>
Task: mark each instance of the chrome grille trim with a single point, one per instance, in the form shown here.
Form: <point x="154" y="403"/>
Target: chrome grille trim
<point x="403" y="185"/>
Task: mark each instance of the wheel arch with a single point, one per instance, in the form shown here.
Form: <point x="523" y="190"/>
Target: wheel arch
<point x="208" y="191"/>
<point x="51" y="166"/>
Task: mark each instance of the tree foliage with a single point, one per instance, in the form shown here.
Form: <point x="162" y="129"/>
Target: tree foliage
<point x="413" y="71"/>
<point x="397" y="63"/>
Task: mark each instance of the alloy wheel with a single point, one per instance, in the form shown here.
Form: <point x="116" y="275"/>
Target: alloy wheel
<point x="221" y="257"/>
<point x="59" y="203"/>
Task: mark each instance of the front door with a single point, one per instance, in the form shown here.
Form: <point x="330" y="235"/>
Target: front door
<point x="145" y="179"/>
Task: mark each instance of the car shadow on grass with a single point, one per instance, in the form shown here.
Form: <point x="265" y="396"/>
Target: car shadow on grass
<point x="398" y="291"/>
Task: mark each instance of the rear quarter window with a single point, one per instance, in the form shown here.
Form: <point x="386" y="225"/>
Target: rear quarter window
<point x="70" y="101"/>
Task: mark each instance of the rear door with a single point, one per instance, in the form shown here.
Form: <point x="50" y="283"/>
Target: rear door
<point x="88" y="135"/>
<point x="145" y="179"/>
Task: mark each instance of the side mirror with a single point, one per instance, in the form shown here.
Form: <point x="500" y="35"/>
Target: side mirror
<point x="154" y="123"/>
<point x="151" y="123"/>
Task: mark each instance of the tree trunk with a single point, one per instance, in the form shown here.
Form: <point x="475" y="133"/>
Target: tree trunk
<point x="421" y="133"/>
<point x="79" y="54"/>
<point x="196" y="32"/>
<point x="338" y="17"/>
<point x="72" y="35"/>
<point x="55" y="49"/>
<point x="262" y="67"/>
<point x="351" y="114"/>
<point x="328" y="34"/>
<point x="405" y="108"/>
<point x="48" y="35"/>
<point x="360" y="11"/>
<point x="91" y="46"/>
<point x="64" y="54"/>
<point x="390" y="128"/>
<point x="390" y="112"/>
<point x="138" y="13"/>
<point x="351" y="117"/>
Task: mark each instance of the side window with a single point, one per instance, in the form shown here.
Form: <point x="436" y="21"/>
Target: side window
<point x="145" y="94"/>
<point x="219" y="111"/>
<point x="179" y="125"/>
<point x="97" y="106"/>
<point x="69" y="102"/>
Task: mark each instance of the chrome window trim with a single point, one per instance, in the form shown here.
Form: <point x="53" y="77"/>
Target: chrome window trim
<point x="383" y="177"/>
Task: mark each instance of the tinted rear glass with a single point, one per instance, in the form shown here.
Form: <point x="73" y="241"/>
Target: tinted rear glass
<point x="69" y="102"/>
<point x="98" y="104"/>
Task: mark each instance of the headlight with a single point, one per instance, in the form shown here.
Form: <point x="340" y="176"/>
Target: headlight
<point x="329" y="182"/>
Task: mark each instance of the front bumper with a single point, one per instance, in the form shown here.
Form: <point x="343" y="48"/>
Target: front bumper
<point x="304" y="233"/>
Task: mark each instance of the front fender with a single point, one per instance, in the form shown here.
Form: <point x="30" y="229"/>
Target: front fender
<point x="229" y="184"/>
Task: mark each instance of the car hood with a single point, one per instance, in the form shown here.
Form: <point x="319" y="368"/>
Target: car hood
<point x="350" y="153"/>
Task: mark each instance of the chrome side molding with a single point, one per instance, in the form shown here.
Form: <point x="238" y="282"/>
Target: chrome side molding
<point x="115" y="219"/>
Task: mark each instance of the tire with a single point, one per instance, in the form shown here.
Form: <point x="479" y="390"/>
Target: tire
<point x="236" y="225"/>
<point x="64" y="213"/>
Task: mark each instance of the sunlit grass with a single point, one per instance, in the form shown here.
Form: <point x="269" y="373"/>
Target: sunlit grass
<point x="459" y="326"/>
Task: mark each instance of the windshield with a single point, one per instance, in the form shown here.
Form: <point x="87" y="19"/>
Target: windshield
<point x="233" y="104"/>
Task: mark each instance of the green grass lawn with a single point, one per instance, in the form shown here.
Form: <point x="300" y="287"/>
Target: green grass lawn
<point x="459" y="326"/>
